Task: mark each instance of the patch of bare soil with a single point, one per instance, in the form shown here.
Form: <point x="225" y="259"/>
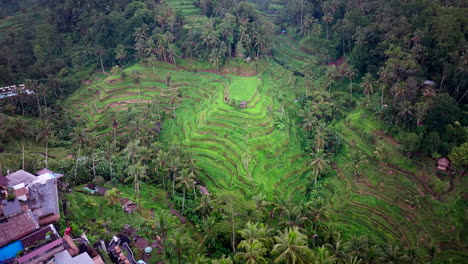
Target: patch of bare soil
<point x="126" y="102"/>
<point x="87" y="82"/>
<point x="69" y="156"/>
<point x="390" y="139"/>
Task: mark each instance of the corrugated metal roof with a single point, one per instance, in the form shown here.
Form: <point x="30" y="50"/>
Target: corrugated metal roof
<point x="20" y="176"/>
<point x="11" y="207"/>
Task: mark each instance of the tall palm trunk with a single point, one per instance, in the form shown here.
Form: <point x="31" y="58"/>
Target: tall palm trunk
<point x="46" y="154"/>
<point x="183" y="202"/>
<point x="22" y="146"/>
<point x="93" y="158"/>
<point x="173" y="185"/>
<point x="76" y="165"/>
<point x="102" y="64"/>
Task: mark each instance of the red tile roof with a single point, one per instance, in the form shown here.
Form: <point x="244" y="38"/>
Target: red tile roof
<point x="17" y="226"/>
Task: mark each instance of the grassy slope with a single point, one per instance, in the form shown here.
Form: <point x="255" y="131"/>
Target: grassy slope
<point x="240" y="148"/>
<point x="107" y="220"/>
<point x="392" y="197"/>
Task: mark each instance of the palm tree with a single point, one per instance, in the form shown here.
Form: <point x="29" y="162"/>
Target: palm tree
<point x="254" y="252"/>
<point x="20" y="128"/>
<point x="317" y="209"/>
<point x="112" y="197"/>
<point x="163" y="222"/>
<point x="92" y="144"/>
<point x="137" y="172"/>
<point x="321" y="255"/>
<point x="46" y="135"/>
<point x="152" y="59"/>
<point x="185" y="181"/>
<point x="120" y="53"/>
<point x="352" y="260"/>
<point x="319" y="164"/>
<point x="350" y="73"/>
<point x="137" y="77"/>
<point x="256" y="231"/>
<point x="160" y="161"/>
<point x="327" y="18"/>
<point x="223" y="260"/>
<point x="294" y="216"/>
<point x="205" y="207"/>
<point x="320" y="137"/>
<point x="291" y="247"/>
<point x="357" y="159"/>
<point x="79" y="138"/>
<point x="367" y="84"/>
<point x="331" y="73"/>
<point x="174" y="168"/>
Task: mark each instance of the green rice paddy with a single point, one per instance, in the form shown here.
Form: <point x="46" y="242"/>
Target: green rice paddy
<point x="242" y="150"/>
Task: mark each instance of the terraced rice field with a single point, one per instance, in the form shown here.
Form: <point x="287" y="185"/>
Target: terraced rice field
<point x="392" y="198"/>
<point x="241" y="149"/>
<point x="192" y="15"/>
<point x="110" y="95"/>
<point x="288" y="53"/>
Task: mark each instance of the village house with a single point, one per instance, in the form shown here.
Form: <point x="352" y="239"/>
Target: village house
<point x="28" y="207"/>
<point x="443" y="164"/>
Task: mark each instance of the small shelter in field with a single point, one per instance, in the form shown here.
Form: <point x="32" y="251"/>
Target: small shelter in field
<point x="203" y="190"/>
<point x="443" y="164"/>
<point x="243" y="104"/>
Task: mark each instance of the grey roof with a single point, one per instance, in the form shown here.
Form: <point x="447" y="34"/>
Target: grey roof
<point x="11" y="207"/>
<point x="43" y="196"/>
<point x="3" y="180"/>
<point x="20" y="176"/>
<point x="65" y="258"/>
<point x="429" y="82"/>
<point x="44" y="171"/>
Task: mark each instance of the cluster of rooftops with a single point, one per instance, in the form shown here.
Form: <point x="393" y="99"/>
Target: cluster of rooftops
<point x="29" y="207"/>
<point x="13" y="90"/>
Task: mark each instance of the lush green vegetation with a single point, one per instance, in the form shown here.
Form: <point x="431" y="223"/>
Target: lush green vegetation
<point x="332" y="161"/>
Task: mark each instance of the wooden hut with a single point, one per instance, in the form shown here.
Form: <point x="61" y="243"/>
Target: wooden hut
<point x="443" y="164"/>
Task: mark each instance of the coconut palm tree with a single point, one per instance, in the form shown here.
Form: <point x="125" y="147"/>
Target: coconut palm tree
<point x="294" y="216"/>
<point x="46" y="135"/>
<point x="319" y="164"/>
<point x="350" y="72"/>
<point x="21" y="128"/>
<point x="185" y="181"/>
<point x="317" y="209"/>
<point x="331" y="73"/>
<point x="137" y="77"/>
<point x="367" y="84"/>
<point x="79" y="138"/>
<point x="321" y="255"/>
<point x="112" y="197"/>
<point x="137" y="172"/>
<point x="253" y="253"/>
<point x="291" y="247"/>
<point x="357" y="159"/>
<point x="163" y="222"/>
<point x="223" y="260"/>
<point x="205" y="207"/>
<point x="257" y="231"/>
<point x="174" y="167"/>
<point x="160" y="162"/>
<point x="320" y="137"/>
